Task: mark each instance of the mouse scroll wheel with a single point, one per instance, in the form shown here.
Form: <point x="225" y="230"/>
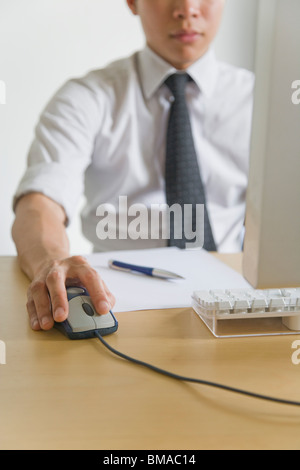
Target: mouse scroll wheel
<point x="88" y="309"/>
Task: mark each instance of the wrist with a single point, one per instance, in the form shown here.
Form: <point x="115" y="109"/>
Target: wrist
<point x="34" y="261"/>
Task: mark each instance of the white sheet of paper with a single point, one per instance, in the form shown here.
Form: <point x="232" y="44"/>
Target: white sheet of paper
<point x="134" y="291"/>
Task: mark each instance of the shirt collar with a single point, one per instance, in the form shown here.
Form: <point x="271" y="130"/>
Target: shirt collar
<point x="154" y="71"/>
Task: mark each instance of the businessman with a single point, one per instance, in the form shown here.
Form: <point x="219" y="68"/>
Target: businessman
<point x="142" y="127"/>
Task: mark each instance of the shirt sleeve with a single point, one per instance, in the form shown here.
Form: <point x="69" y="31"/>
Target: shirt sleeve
<point x="63" y="146"/>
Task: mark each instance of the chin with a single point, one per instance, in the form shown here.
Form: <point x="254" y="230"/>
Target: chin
<point x="185" y="61"/>
<point x="182" y="59"/>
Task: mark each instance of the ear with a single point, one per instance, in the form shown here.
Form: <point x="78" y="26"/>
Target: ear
<point x="132" y="6"/>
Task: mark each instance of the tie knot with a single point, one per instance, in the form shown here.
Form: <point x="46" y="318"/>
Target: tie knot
<point x="177" y="82"/>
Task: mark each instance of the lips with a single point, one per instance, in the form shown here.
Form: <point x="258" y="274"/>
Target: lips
<point x="186" y="36"/>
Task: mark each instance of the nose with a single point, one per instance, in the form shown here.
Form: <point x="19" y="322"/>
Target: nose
<point x="186" y="9"/>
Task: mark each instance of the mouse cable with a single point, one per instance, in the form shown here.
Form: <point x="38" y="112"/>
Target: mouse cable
<point x="193" y="380"/>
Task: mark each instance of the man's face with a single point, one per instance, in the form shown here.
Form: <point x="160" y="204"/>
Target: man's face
<point x="179" y="31"/>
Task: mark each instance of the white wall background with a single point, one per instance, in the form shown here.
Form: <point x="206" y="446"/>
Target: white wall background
<point x="45" y="42"/>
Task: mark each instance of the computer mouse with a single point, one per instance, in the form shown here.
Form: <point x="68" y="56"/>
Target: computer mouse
<point x="83" y="320"/>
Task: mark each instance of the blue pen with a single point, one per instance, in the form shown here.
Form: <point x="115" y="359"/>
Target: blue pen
<point x="154" y="272"/>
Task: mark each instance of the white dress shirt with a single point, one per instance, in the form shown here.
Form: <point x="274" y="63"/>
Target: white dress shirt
<point x="104" y="135"/>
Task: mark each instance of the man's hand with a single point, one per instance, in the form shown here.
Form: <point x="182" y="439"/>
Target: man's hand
<point x="47" y="298"/>
<point x="40" y="236"/>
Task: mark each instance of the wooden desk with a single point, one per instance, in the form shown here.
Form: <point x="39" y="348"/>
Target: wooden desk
<point x="61" y="394"/>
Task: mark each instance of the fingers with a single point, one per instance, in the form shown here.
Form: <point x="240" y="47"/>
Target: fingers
<point x="101" y="297"/>
<point x="47" y="297"/>
<point x="39" y="307"/>
<point x="56" y="286"/>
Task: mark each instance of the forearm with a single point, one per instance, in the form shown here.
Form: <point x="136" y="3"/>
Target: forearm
<point x="39" y="233"/>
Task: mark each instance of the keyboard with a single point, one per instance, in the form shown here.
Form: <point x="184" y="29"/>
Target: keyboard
<point x="249" y="303"/>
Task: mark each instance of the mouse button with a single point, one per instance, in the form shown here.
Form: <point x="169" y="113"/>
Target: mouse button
<point x="104" y="321"/>
<point x="77" y="319"/>
<point x="75" y="290"/>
